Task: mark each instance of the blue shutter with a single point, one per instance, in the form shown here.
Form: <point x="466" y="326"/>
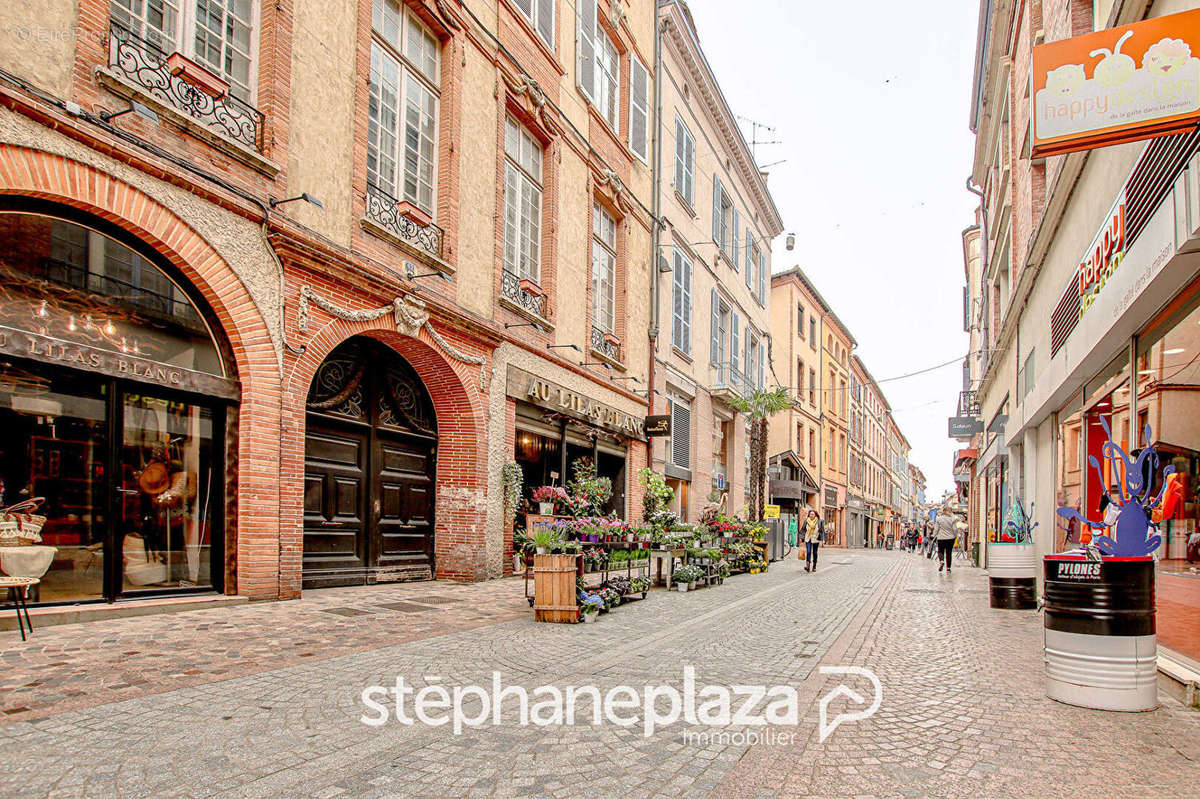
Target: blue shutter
<point x="585" y="47"/>
<point x="762" y="277"/>
<point x="715" y="345"/>
<point x="716" y="222"/>
<point x="733" y="343"/>
<point x="733" y="255"/>
<point x="749" y="260"/>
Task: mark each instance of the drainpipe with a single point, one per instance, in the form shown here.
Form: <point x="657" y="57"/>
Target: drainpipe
<point x="656" y="230"/>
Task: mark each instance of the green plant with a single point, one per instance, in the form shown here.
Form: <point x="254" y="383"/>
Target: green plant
<point x="589" y="491"/>
<point x="687" y="574"/>
<point x="511" y="479"/>
<point x="543" y="537"/>
<point x="658" y="496"/>
<point x="759" y="407"/>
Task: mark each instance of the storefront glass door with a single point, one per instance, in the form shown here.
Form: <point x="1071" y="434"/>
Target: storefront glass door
<point x="166" y="488"/>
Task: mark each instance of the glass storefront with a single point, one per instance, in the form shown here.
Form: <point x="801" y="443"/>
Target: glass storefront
<point x="113" y="402"/>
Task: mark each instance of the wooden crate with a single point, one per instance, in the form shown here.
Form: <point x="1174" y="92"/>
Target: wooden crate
<point x="554" y="588"/>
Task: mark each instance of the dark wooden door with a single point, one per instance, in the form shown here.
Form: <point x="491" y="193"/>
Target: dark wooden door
<point x="370" y="466"/>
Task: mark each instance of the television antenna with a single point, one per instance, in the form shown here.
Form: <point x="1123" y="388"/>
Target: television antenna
<point x="755" y="141"/>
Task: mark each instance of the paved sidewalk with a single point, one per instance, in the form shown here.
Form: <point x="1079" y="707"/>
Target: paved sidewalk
<point x="963" y="712"/>
<point x="82" y="665"/>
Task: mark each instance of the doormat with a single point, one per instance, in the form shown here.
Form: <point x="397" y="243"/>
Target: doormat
<point x="434" y="599"/>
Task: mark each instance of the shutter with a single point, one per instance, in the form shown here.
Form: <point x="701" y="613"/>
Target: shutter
<point x="714" y="350"/>
<point x="733" y="344"/>
<point x="734" y="241"/>
<point x="639" y="106"/>
<point x="681" y="434"/>
<point x="762" y="364"/>
<point x="749" y="260"/>
<point x="526" y="7"/>
<point x="585" y="47"/>
<point x="762" y="277"/>
<point x="749" y="360"/>
<point x="686" y="323"/>
<point x="680" y="152"/>
<point x="716" y="222"/>
<point x="676" y="305"/>
<point x="545" y="21"/>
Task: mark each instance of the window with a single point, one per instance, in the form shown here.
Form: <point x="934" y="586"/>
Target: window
<point x="812" y="386"/>
<point x="681" y="311"/>
<point x="685" y="161"/>
<point x="799" y="379"/>
<point x="639" y="109"/>
<point x="749" y="251"/>
<point x="762" y="274"/>
<point x="812" y="332"/>
<point x="604" y="268"/>
<point x="752" y="376"/>
<point x="734" y="335"/>
<point x="679" y="444"/>
<point x="403" y="107"/>
<point x="800" y="321"/>
<point x="522" y="202"/>
<point x="722" y="222"/>
<point x="718" y="352"/>
<point x="540" y="14"/>
<point x="217" y="34"/>
<point x="598" y="64"/>
<point x="812" y="448"/>
<point x="800" y="440"/>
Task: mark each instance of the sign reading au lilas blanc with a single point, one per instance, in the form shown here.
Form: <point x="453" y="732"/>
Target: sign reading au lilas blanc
<point x="537" y="391"/>
<point x="1117" y="85"/>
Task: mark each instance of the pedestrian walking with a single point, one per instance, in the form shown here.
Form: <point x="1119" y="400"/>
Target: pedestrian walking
<point x="814" y="534"/>
<point x="946" y="530"/>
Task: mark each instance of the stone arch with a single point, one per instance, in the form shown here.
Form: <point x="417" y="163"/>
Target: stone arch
<point x="462" y="449"/>
<point x="48" y="176"/>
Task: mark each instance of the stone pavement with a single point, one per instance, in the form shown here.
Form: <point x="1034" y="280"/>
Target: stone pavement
<point x="963" y="710"/>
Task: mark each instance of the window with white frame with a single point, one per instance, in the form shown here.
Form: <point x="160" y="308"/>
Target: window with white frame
<point x="522" y="202"/>
<point x="718" y="349"/>
<point x="217" y="34"/>
<point x="540" y="14"/>
<point x="598" y="62"/>
<point x="639" y="109"/>
<point x="403" y="106"/>
<point x="685" y="161"/>
<point x="681" y="307"/>
<point x="604" y="268"/>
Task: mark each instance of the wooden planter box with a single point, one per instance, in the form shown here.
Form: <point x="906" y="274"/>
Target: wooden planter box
<point x="554" y="587"/>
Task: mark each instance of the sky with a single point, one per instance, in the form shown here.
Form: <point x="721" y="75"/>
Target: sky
<point x="871" y="103"/>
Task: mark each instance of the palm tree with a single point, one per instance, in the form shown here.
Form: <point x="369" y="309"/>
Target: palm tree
<point x="760" y="405"/>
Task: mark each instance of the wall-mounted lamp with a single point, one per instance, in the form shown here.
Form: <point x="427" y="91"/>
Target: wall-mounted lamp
<point x="607" y="366"/>
<point x="664" y="266"/>
<point x="564" y="347"/>
<point x="511" y="325"/>
<point x="410" y="272"/>
<point x="308" y="198"/>
<point x="144" y="111"/>
<point x="628" y="377"/>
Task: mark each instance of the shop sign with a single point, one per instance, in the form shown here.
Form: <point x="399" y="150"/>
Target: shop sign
<point x="1078" y="571"/>
<point x="658" y="425"/>
<point x="1103" y="256"/>
<point x="532" y="389"/>
<point x="965" y="426"/>
<point x="25" y="344"/>
<point x="770" y="511"/>
<point x="1117" y="85"/>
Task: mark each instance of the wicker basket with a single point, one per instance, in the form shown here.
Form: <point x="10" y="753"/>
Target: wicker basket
<point x="19" y="525"/>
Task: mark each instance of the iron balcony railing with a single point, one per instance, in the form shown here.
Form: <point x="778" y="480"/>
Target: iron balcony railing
<point x="383" y="209"/>
<point x="144" y="64"/>
<point x="510" y="289"/>
<point x="603" y="346"/>
<point x="727" y="378"/>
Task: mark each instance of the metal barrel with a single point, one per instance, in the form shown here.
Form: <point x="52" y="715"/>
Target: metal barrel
<point x="1012" y="570"/>
<point x="1100" y="644"/>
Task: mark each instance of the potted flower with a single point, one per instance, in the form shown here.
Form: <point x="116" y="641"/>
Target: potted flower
<point x="549" y="498"/>
<point x="589" y="605"/>
<point x="542" y="539"/>
<point x="685" y="577"/>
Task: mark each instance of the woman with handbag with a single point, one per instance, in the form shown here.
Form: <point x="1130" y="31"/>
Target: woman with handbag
<point x="814" y="534"/>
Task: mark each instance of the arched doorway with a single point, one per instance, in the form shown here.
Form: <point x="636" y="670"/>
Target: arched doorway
<point x="370" y="454"/>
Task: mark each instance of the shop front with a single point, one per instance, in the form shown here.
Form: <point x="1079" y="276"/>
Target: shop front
<point x="118" y="399"/>
<point x="792" y="488"/>
<point x="559" y="431"/>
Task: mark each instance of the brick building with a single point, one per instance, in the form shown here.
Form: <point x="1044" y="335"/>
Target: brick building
<point x="263" y="329"/>
<point x="719" y="220"/>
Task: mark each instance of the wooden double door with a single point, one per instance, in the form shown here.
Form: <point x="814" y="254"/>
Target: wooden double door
<point x="370" y="463"/>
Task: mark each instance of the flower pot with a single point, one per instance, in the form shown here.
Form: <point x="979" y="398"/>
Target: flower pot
<point x="682" y="587"/>
<point x="546" y="508"/>
<point x="543" y="550"/>
<point x="516" y="564"/>
<point x="692" y="585"/>
<point x="584" y="618"/>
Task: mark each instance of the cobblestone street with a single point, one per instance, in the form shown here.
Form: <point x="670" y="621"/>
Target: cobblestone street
<point x="264" y="700"/>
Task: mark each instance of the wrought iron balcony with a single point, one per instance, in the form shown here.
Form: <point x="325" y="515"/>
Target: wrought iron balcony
<point x="510" y="289"/>
<point x="601" y="345"/>
<point x="728" y="382"/>
<point x="144" y="64"/>
<point x="968" y="403"/>
<point x="383" y="209"/>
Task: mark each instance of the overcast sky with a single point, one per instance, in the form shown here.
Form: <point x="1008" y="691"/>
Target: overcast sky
<point x="871" y="102"/>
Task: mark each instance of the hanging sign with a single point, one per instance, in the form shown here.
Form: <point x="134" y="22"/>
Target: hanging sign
<point x="770" y="511"/>
<point x="1116" y="85"/>
<point x="658" y="425"/>
<point x="1103" y="256"/>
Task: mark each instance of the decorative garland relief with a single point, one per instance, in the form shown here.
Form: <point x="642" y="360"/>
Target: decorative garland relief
<point x="410" y="318"/>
